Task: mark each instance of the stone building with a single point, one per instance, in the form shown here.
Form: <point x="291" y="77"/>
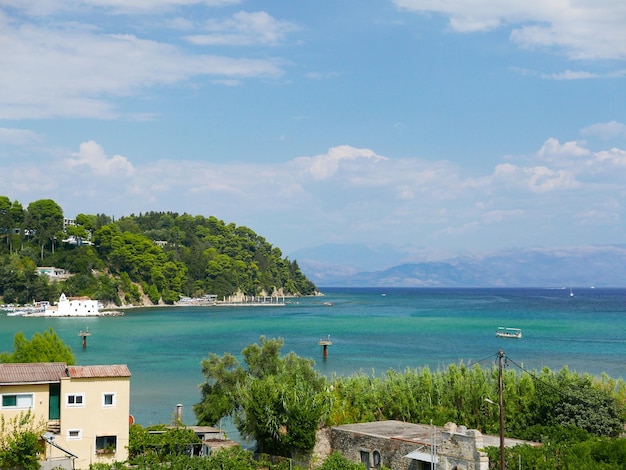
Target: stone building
<point x="406" y="446"/>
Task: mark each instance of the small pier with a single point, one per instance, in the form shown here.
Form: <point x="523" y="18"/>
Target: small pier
<point x="84" y="334"/>
<point x="325" y="342"/>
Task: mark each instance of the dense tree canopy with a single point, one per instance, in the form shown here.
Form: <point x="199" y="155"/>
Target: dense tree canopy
<point x="11" y="218"/>
<point x="163" y="255"/>
<point x="533" y="402"/>
<point x="44" y="220"/>
<point x="46" y="347"/>
<point x="19" y="282"/>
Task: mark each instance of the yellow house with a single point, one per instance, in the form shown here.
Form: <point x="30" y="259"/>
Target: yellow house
<point x="86" y="409"/>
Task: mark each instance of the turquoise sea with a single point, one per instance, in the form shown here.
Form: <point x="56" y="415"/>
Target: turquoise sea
<point x="372" y="330"/>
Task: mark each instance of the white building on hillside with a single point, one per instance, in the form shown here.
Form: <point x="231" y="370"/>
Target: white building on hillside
<point x="76" y="307"/>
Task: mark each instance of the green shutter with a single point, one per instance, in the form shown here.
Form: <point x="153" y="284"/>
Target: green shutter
<point x="9" y="400"/>
<point x="54" y="405"/>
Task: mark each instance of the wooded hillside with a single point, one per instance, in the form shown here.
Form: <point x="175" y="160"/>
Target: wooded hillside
<point x="160" y="256"/>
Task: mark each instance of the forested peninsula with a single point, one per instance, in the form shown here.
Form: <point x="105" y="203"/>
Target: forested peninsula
<point x="146" y="259"/>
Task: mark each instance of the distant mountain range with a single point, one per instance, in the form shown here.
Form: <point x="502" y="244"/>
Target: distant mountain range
<point x="386" y="266"/>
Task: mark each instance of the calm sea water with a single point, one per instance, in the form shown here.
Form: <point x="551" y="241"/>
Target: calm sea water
<point x="372" y="331"/>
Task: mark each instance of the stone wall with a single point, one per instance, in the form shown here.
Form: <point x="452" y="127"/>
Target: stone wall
<point x="322" y="448"/>
<point x="392" y="451"/>
<point x="461" y="449"/>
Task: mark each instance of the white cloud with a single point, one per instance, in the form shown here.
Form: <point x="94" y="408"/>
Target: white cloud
<point x="498" y="216"/>
<point x="564" y="75"/>
<point x="91" y="157"/>
<point x="605" y="130"/>
<point x="537" y="179"/>
<point x="476" y="15"/>
<point x="585" y="29"/>
<point x="614" y="157"/>
<point x="544" y="179"/>
<point x="18" y="136"/>
<point x="324" y="166"/>
<point x="552" y="149"/>
<point x="578" y="160"/>
<point x="570" y="75"/>
<point x="75" y="71"/>
<point x="346" y="190"/>
<point x="47" y="7"/>
<point x="595" y="216"/>
<point x="244" y="29"/>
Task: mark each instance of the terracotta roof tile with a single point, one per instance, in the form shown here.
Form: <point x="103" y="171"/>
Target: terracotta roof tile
<point x="115" y="370"/>
<point x="37" y="372"/>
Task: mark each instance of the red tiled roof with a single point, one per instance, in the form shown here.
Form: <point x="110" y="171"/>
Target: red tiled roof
<point x="37" y="372"/>
<point x="83" y="372"/>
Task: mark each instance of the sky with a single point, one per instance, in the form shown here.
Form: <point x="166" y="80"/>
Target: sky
<point x="444" y="125"/>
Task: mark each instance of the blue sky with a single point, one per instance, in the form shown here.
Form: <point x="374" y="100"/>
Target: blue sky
<point x="434" y="125"/>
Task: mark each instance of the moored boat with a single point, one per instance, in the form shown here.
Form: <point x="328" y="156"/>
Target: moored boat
<point x="503" y="332"/>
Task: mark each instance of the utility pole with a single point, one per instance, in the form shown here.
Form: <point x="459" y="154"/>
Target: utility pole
<point x="500" y="391"/>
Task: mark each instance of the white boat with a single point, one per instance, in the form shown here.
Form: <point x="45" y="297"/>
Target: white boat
<point x="503" y="332"/>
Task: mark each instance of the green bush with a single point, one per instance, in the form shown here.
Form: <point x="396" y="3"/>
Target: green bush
<point x="20" y="444"/>
<point x="336" y="461"/>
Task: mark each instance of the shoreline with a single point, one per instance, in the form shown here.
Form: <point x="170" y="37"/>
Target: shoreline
<point x="112" y="310"/>
<point x="217" y="303"/>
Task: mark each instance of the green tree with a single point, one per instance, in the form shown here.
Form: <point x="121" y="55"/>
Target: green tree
<point x="5" y="218"/>
<point x="45" y="219"/>
<point x="40" y="348"/>
<point x="20" y="444"/>
<point x="17" y="218"/>
<point x="153" y="293"/>
<point x="11" y="215"/>
<point x="279" y="402"/>
<point x="87" y="221"/>
<point x="219" y="391"/>
<point x="162" y="444"/>
<point x="107" y="290"/>
<point x="568" y="399"/>
<point x="79" y="232"/>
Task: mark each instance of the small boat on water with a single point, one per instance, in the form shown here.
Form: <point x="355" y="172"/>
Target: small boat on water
<point x="503" y="332"/>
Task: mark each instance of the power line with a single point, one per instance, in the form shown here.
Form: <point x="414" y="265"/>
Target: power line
<point x="488" y="358"/>
<point x="550" y="386"/>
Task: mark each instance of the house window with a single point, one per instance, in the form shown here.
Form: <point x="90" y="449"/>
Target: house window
<point x="365" y="459"/>
<point x="75" y="400"/>
<point x="18" y="401"/>
<point x="74" y="434"/>
<point x="108" y="400"/>
<point x="106" y="444"/>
